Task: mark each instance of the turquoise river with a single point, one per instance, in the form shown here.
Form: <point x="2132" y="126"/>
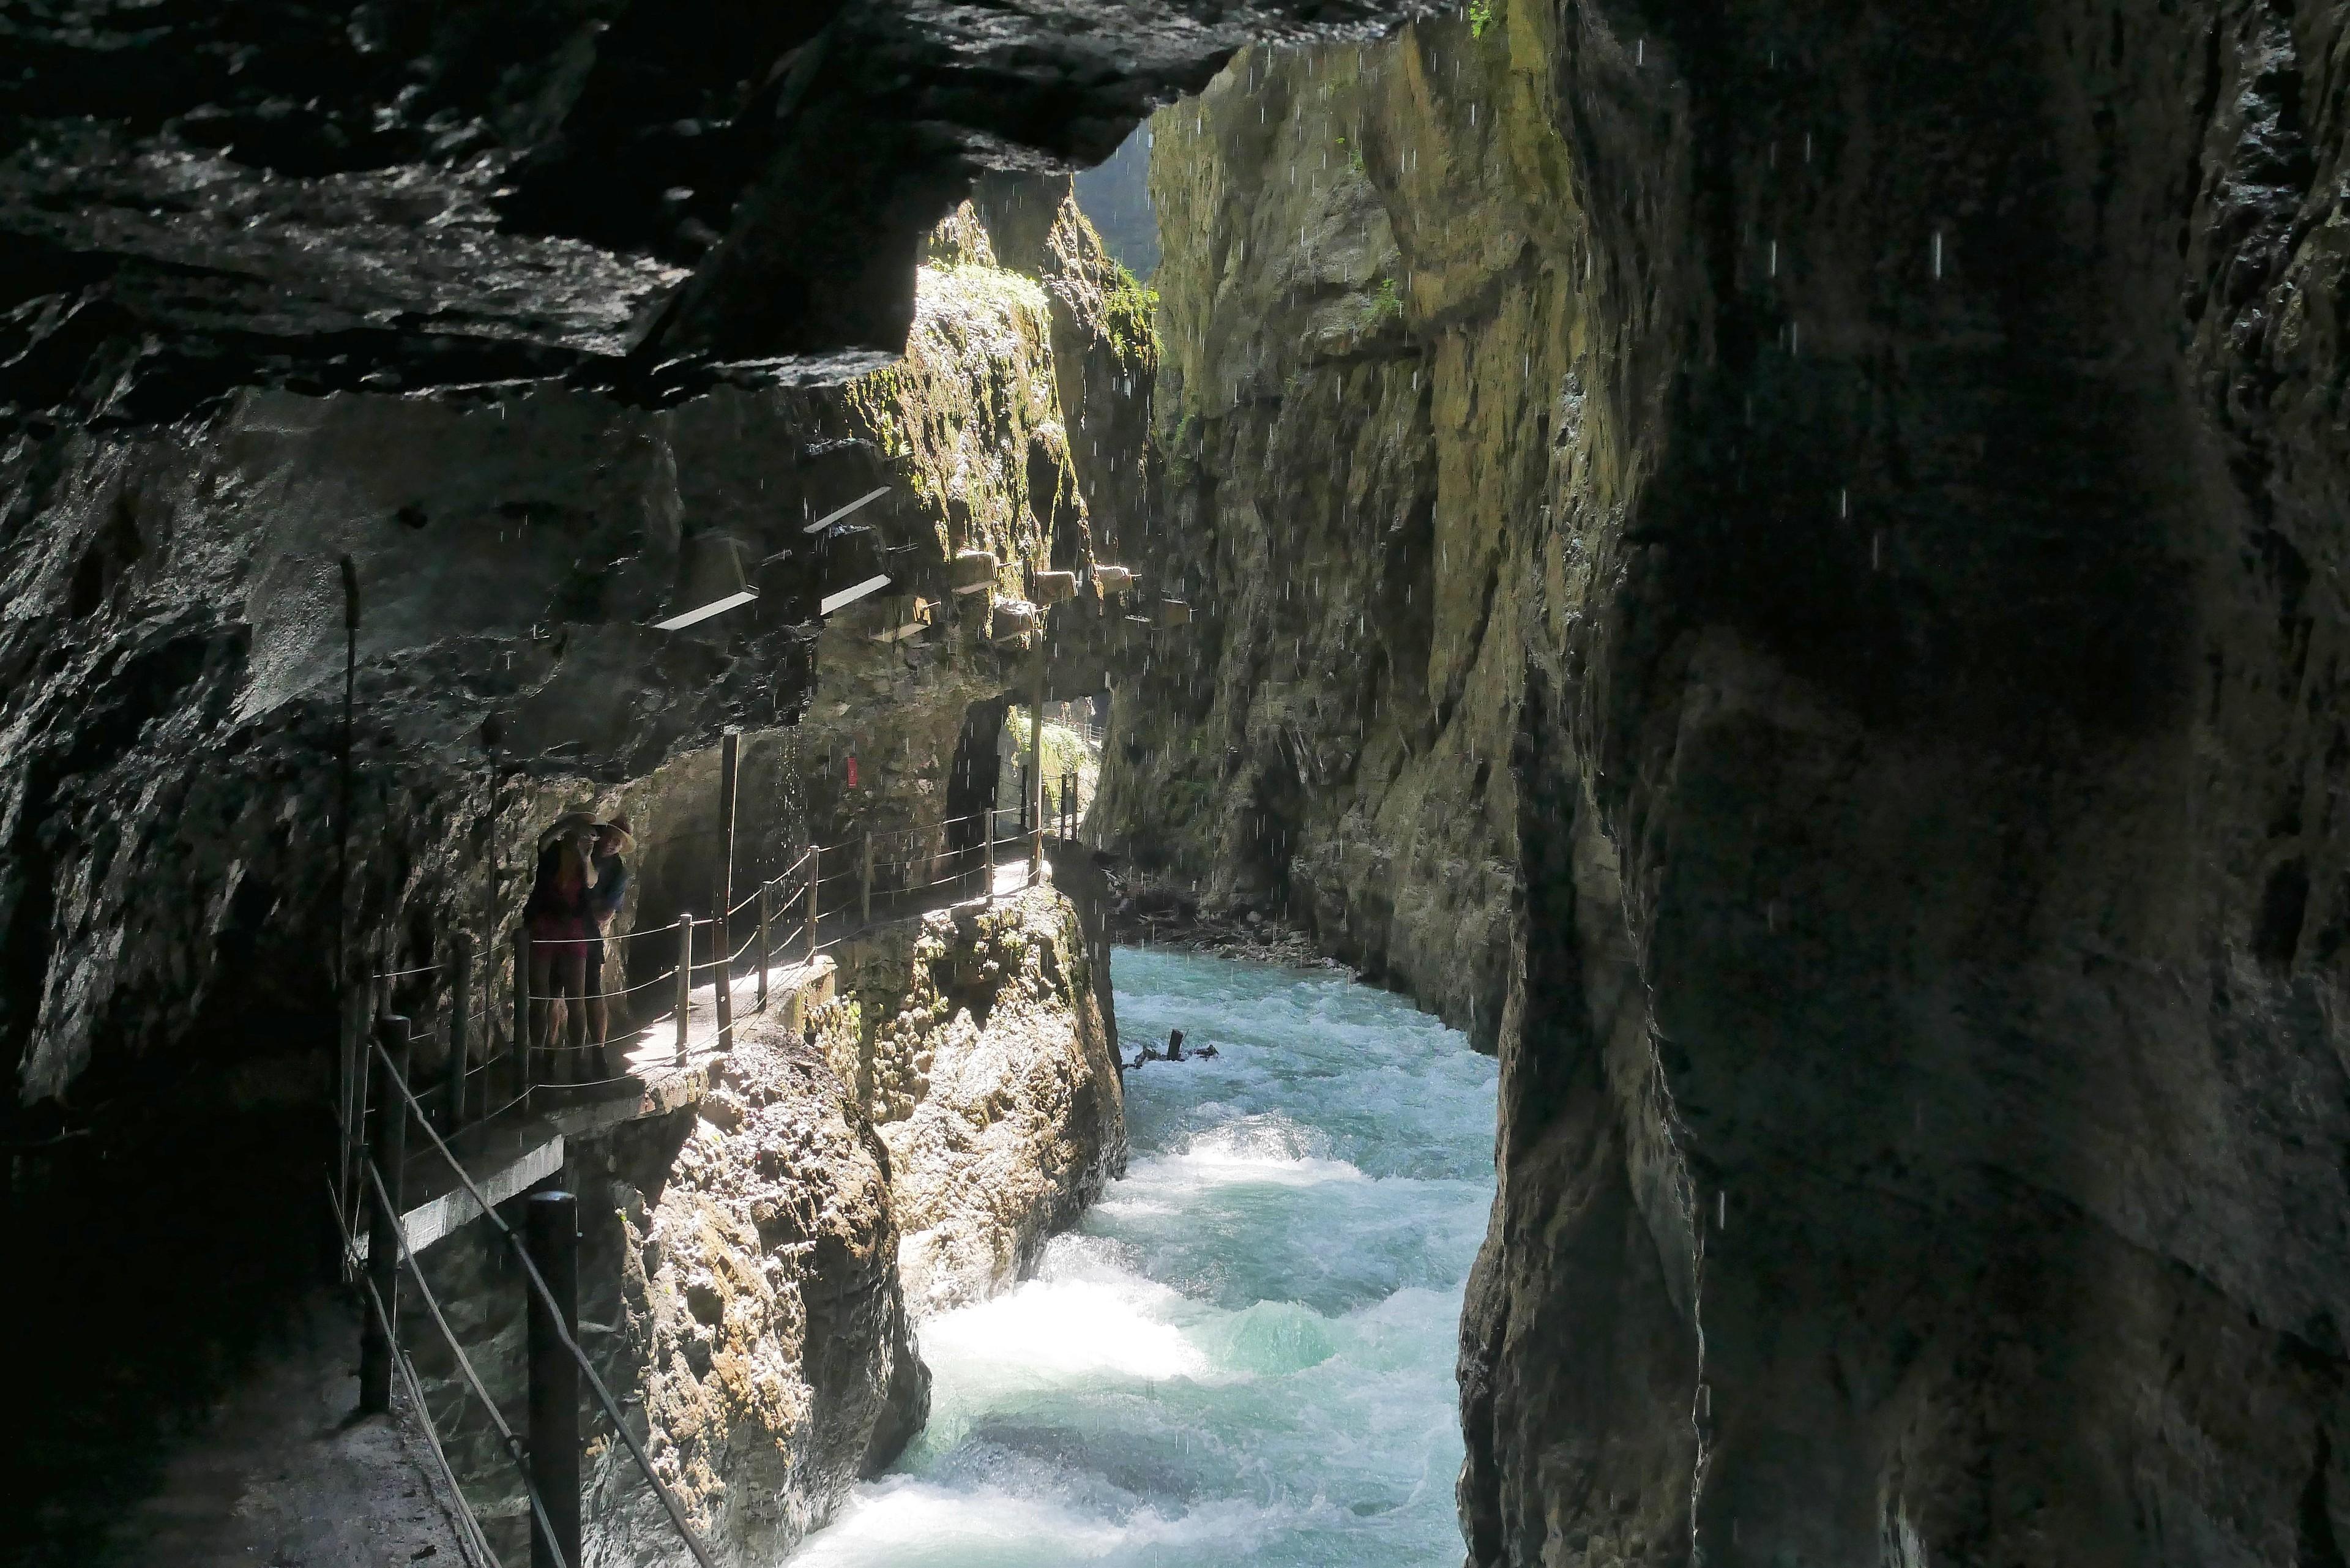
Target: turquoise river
<point x="1244" y="1353"/>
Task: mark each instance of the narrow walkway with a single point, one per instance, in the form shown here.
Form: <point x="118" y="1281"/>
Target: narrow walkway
<point x="523" y="1145"/>
<point x="281" y="1474"/>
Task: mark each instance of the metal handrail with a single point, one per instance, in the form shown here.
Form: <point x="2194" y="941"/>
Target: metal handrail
<point x="562" y="1334"/>
<point x="506" y="1438"/>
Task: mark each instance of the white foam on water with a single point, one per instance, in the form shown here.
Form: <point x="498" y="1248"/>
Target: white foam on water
<point x="1244" y="1353"/>
<point x="1051" y="1332"/>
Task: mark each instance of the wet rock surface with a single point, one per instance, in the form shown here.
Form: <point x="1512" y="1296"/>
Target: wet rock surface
<point x="1876" y="488"/>
<point x="978" y="1041"/>
<point x="739" y="1293"/>
<point x="632" y="197"/>
<point x="752" y="1265"/>
<point x="764" y="1314"/>
<point x="1325" y="740"/>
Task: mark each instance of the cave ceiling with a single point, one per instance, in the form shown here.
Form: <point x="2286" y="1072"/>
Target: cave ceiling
<point x="635" y="197"/>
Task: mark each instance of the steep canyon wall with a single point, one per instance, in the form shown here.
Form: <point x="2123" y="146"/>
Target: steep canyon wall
<point x="1866" y="485"/>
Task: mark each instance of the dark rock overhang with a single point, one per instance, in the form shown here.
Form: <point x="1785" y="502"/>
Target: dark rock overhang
<point x="635" y="197"/>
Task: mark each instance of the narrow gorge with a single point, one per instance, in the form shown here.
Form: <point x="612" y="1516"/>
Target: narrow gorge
<point x="1774" y="568"/>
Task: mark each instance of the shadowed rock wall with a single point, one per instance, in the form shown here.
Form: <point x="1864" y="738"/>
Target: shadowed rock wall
<point x="1889" y="463"/>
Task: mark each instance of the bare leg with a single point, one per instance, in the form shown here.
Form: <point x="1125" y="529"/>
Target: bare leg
<point x="574" y="965"/>
<point x="542" y="989"/>
<point x="600" y="1012"/>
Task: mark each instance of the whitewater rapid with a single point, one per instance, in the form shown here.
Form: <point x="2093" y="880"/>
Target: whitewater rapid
<point x="1244" y="1353"/>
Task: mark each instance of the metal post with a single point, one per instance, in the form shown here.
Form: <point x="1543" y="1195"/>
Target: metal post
<point x="522" y="1006"/>
<point x="387" y="1151"/>
<point x="1034" y="807"/>
<point x="987" y="826"/>
<point x="865" y="887"/>
<point x="765" y="889"/>
<point x="461" y="1022"/>
<point x="815" y="881"/>
<point x="353" y="1085"/>
<point x="551" y="1232"/>
<point x="729" y="756"/>
<point x="684" y="981"/>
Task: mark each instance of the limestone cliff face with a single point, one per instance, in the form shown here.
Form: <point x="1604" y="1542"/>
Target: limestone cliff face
<point x="169" y="794"/>
<point x="764" y="1326"/>
<point x="901" y="1140"/>
<point x="739" y="1293"/>
<point x="1017" y="424"/>
<point x="1878" y="480"/>
<point x="173" y="651"/>
<point x="978" y="1041"/>
<point x="1344" y="508"/>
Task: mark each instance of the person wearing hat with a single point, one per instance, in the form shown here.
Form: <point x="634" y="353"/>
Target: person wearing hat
<point x="613" y="840"/>
<point x="556" y="917"/>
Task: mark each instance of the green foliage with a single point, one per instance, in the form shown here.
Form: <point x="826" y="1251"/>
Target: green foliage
<point x="1130" y="314"/>
<point x="1480" y="16"/>
<point x="1065" y="750"/>
<point x="1183" y="457"/>
<point x="1384" y="306"/>
<point x="1355" y="158"/>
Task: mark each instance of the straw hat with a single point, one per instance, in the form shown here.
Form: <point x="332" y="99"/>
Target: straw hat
<point x="616" y="822"/>
<point x="568" y="824"/>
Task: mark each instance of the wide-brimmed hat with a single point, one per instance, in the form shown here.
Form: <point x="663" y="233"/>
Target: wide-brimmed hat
<point x="616" y="822"/>
<point x="564" y="826"/>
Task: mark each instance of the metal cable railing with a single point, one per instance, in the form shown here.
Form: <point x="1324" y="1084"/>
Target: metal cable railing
<point x="388" y="1250"/>
<point x="822" y="884"/>
<point x="870" y="880"/>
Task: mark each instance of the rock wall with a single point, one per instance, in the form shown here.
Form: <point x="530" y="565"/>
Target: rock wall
<point x="762" y="1318"/>
<point x="1018" y="422"/>
<point x="900" y="1140"/>
<point x="1345" y="509"/>
<point x="739" y="1293"/>
<point x="980" y="1043"/>
<point x="1878" y="494"/>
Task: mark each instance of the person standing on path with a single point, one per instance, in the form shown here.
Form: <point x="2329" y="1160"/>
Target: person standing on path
<point x="557" y="918"/>
<point x="613" y="840"/>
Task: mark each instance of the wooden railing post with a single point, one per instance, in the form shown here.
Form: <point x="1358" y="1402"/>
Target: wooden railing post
<point x="684" y="982"/>
<point x="729" y="758"/>
<point x="461" y="1022"/>
<point x="865" y="887"/>
<point x="387" y="1151"/>
<point x="987" y="827"/>
<point x="765" y="889"/>
<point x="815" y="884"/>
<point x="551" y="1233"/>
<point x="523" y="1040"/>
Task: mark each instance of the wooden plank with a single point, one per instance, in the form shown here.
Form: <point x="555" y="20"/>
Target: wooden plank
<point x="849" y="595"/>
<point x="838" y="513"/>
<point x="679" y="622"/>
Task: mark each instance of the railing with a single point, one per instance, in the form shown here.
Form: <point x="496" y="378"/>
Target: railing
<point x="546" y="1455"/>
<point x="883" y="871"/>
<point x="888" y="868"/>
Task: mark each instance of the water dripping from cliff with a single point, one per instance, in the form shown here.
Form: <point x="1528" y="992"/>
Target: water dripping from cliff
<point x="1244" y="1353"/>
